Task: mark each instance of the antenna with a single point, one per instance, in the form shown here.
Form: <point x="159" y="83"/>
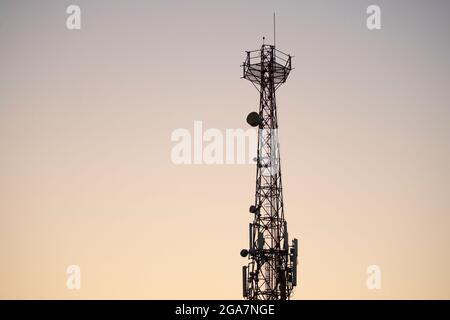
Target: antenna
<point x="274" y="34"/>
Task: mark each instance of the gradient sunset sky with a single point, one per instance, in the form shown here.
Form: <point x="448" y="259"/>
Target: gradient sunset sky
<point x="86" y="176"/>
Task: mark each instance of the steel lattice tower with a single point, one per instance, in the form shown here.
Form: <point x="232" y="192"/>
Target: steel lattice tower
<point x="271" y="273"/>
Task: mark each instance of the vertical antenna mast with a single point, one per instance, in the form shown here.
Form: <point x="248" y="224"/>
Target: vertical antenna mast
<point x="271" y="273"/>
<point x="274" y="34"/>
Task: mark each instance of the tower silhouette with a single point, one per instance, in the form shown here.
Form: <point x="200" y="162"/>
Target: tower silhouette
<point x="271" y="273"/>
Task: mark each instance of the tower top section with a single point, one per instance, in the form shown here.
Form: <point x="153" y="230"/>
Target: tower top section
<point x="265" y="63"/>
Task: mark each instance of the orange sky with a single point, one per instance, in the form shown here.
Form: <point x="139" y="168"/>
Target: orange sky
<point x="86" y="176"/>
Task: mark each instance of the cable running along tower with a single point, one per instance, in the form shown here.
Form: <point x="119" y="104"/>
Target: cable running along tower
<point x="271" y="273"/>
